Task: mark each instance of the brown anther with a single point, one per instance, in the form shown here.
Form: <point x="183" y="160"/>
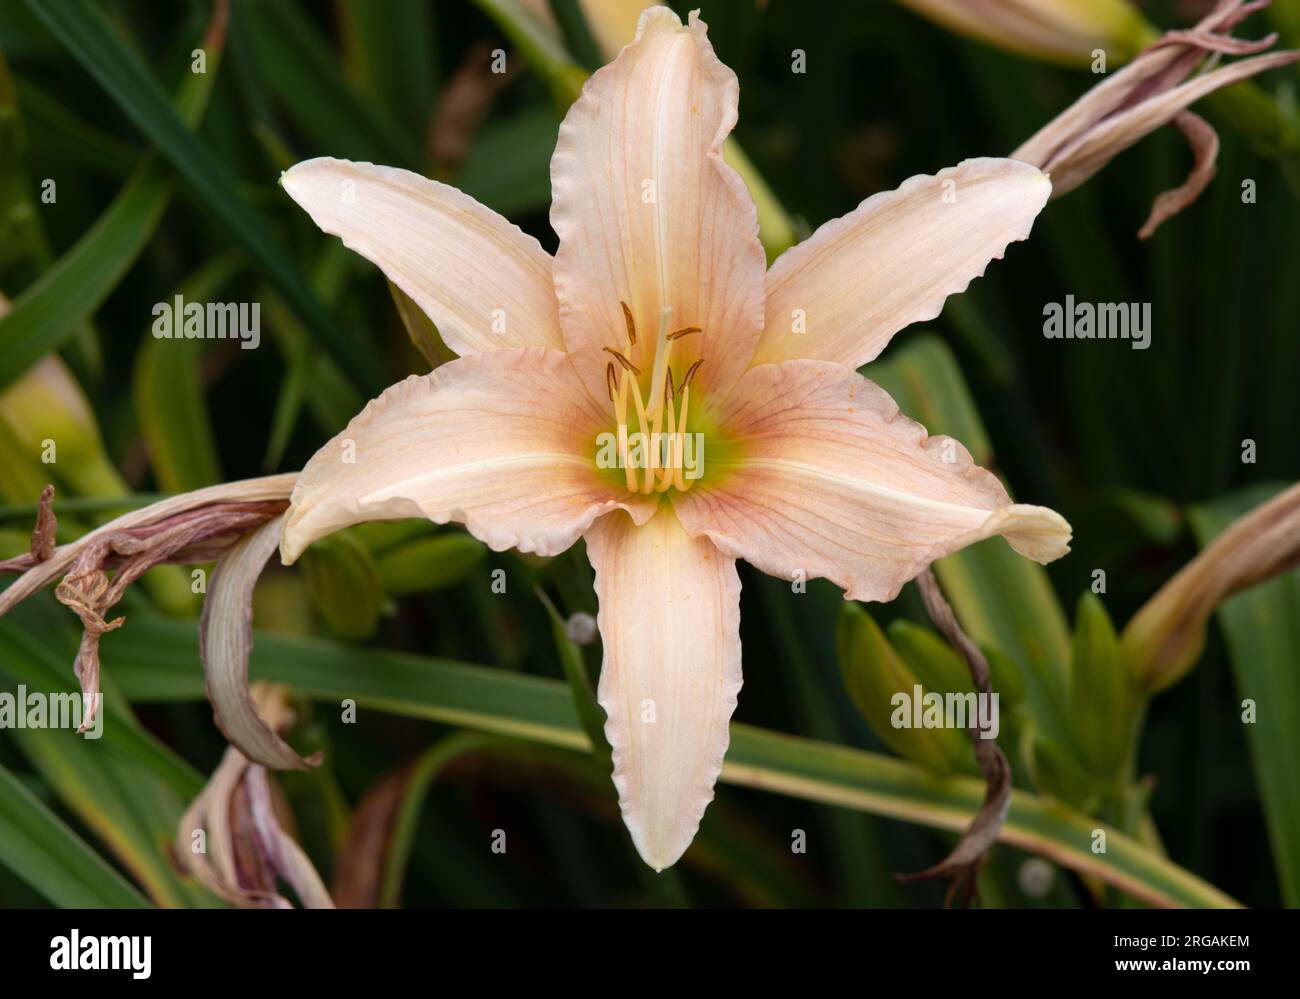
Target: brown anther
<point x="631" y="324"/>
<point x="684" y="331"/>
<point x="669" y="391"/>
<point x="611" y="379"/>
<point x="690" y="372"/>
<point x="622" y="360"/>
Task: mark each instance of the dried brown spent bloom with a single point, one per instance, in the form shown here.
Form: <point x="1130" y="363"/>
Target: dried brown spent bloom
<point x="1166" y="637"/>
<point x="232" y="839"/>
<point x="97" y="569"/>
<point x="1154" y="90"/>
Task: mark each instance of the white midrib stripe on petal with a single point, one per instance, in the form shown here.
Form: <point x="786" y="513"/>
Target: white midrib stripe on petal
<point x="661" y="254"/>
<point x="403" y="487"/>
<point x="863" y="485"/>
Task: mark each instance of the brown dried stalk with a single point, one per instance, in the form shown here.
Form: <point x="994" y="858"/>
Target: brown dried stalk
<point x="963" y="863"/>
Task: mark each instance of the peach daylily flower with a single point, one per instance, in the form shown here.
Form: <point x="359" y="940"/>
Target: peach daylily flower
<point x="657" y="314"/>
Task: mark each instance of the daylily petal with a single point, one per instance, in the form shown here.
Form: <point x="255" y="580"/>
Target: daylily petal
<point x="647" y="212"/>
<point x="892" y="261"/>
<point x="832" y="480"/>
<point x="670" y="623"/>
<point x="483" y="281"/>
<point x="503" y="442"/>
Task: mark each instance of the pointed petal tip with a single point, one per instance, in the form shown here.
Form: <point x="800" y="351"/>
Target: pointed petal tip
<point x="666" y="850"/>
<point x="668" y="690"/>
<point x="1036" y="532"/>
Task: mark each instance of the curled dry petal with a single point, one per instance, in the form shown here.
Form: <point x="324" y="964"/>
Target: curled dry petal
<point x="270" y="489"/>
<point x="1143" y="96"/>
<point x="203" y="840"/>
<point x="282" y="850"/>
<point x="183" y="529"/>
<point x="225" y="641"/>
<point x="45" y="533"/>
<point x="831" y="480"/>
<point x="1083" y="155"/>
<point x="231" y="838"/>
<point x="1166" y="637"/>
<point x="1204" y="143"/>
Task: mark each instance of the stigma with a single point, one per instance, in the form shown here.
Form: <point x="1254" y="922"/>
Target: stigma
<point x="653" y="446"/>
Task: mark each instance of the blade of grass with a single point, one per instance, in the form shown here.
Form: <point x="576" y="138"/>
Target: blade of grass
<point x="22" y="233"/>
<point x="91" y="39"/>
<point x="51" y="309"/>
<point x="1262" y="628"/>
<point x="45" y="665"/>
<point x="129" y="804"/>
<point x="159" y="663"/>
<point x="297" y="62"/>
<point x="168" y="390"/>
<point x="40" y="848"/>
<point x="390" y="51"/>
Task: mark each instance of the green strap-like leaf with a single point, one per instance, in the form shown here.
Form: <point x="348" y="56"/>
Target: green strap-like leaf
<point x="1262" y="628"/>
<point x="296" y="60"/>
<point x="54" y="306"/>
<point x="38" y="847"/>
<point x="84" y="30"/>
<point x="158" y="662"/>
<point x="168" y="389"/>
<point x="126" y="787"/>
<point x="1003" y="600"/>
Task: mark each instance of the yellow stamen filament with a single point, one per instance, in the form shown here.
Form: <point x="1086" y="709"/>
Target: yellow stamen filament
<point x="640" y="405"/>
<point x="652" y="456"/>
<point x="679" y="477"/>
<point x="662" y="453"/>
<point x="621" y="412"/>
<point x="674" y="446"/>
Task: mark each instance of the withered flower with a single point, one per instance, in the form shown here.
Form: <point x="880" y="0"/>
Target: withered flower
<point x="231" y="838"/>
<point x="1166" y="637"/>
<point x="191" y="528"/>
<point x="1153" y="90"/>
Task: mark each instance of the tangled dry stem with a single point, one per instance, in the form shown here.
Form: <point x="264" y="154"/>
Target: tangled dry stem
<point x="189" y="537"/>
<point x="963" y="863"/>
